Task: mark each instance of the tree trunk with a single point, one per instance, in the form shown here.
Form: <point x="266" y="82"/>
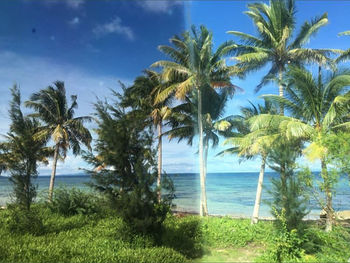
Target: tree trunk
<point x="255" y="217"/>
<point x="203" y="199"/>
<point x="205" y="158"/>
<point x="280" y="89"/>
<point x="159" y="160"/>
<point x="328" y="192"/>
<point x="53" y="173"/>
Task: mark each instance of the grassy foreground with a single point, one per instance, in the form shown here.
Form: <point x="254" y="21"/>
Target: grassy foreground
<point x="83" y="238"/>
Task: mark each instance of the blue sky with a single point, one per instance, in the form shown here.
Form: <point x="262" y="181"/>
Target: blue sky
<point x="91" y="45"/>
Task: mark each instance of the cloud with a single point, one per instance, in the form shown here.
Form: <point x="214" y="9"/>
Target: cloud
<point x="74" y="3"/>
<point x="114" y="27"/>
<point x="31" y="74"/>
<point x="74" y="22"/>
<point x="157" y="6"/>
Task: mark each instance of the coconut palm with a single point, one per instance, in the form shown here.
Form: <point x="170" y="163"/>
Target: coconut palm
<point x="319" y="107"/>
<point x="140" y="97"/>
<point x="194" y="66"/>
<point x="346" y="55"/>
<point x="247" y="147"/>
<point x="67" y="132"/>
<point x="274" y="45"/>
<point x="22" y="150"/>
<point x="183" y="120"/>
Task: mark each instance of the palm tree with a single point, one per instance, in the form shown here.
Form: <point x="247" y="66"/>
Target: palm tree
<point x="346" y="54"/>
<point x="194" y="66"/>
<point x="318" y="108"/>
<point x="274" y="45"/>
<point x="22" y="150"/>
<point x="67" y="131"/>
<point x="247" y="146"/>
<point x="183" y="120"/>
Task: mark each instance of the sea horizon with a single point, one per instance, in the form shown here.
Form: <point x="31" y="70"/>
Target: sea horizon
<point x="231" y="194"/>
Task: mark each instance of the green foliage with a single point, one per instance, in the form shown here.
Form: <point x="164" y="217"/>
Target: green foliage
<point x="20" y="221"/>
<point x="125" y="169"/>
<point x="183" y="235"/>
<point x="287" y="245"/>
<point x="21" y="151"/>
<point x="72" y="201"/>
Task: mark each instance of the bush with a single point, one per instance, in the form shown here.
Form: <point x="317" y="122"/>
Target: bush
<point x="19" y="221"/>
<point x="72" y="201"/>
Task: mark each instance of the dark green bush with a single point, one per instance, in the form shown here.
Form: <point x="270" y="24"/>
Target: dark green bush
<point x="19" y="221"/>
<point x="184" y="235"/>
<point x="72" y="201"/>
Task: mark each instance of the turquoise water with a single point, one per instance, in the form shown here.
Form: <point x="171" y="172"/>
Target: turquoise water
<point x="227" y="193"/>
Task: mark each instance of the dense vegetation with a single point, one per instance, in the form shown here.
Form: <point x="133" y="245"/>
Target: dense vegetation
<point x="128" y="216"/>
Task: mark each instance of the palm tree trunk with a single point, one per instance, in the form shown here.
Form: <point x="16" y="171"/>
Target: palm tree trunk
<point x="255" y="217"/>
<point x="206" y="147"/>
<point x="280" y="88"/>
<point x="159" y="160"/>
<point x="53" y="173"/>
<point x="203" y="200"/>
<point x="328" y="192"/>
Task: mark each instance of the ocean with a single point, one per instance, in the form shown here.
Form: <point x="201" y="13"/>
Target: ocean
<point x="227" y="193"/>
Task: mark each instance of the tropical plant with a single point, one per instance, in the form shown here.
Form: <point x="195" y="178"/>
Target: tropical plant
<point x="140" y="97"/>
<point x="346" y="54"/>
<point x="194" y="66"/>
<point x="274" y="45"/>
<point x="124" y="167"/>
<point x="246" y="146"/>
<point x="319" y="108"/>
<point x="67" y="132"/>
<point x="21" y="152"/>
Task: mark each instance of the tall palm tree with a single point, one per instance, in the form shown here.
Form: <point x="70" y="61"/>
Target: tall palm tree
<point x="194" y="66"/>
<point x="183" y="120"/>
<point x="67" y="132"/>
<point x="274" y="45"/>
<point x="22" y="150"/>
<point x="319" y="107"/>
<point x="346" y="54"/>
<point x="140" y="97"/>
<point x="247" y="146"/>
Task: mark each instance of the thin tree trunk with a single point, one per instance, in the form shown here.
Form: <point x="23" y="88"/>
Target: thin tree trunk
<point x="159" y="160"/>
<point x="206" y="147"/>
<point x="203" y="199"/>
<point x="53" y="173"/>
<point x="328" y="192"/>
<point x="280" y="88"/>
<point x="255" y="217"/>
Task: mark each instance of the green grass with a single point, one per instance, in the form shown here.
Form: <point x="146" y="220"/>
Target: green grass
<point x="86" y="238"/>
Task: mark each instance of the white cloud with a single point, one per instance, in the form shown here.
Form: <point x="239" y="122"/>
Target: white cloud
<point x="114" y="27"/>
<point x="33" y="73"/>
<point x="75" y="21"/>
<point x="157" y="6"/>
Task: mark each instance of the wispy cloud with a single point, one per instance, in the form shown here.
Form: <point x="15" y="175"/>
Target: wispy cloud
<point x="157" y="6"/>
<point x="114" y="27"/>
<point x="74" y="22"/>
<point x="75" y="4"/>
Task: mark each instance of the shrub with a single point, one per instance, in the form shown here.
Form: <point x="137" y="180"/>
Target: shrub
<point x="20" y="221"/>
<point x="184" y="235"/>
<point x="72" y="201"/>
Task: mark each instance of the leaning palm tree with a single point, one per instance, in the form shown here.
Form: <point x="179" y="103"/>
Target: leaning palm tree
<point x="319" y="107"/>
<point x="193" y="67"/>
<point x="67" y="132"/>
<point x="274" y="45"/>
<point x="346" y="54"/>
<point x="248" y="146"/>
